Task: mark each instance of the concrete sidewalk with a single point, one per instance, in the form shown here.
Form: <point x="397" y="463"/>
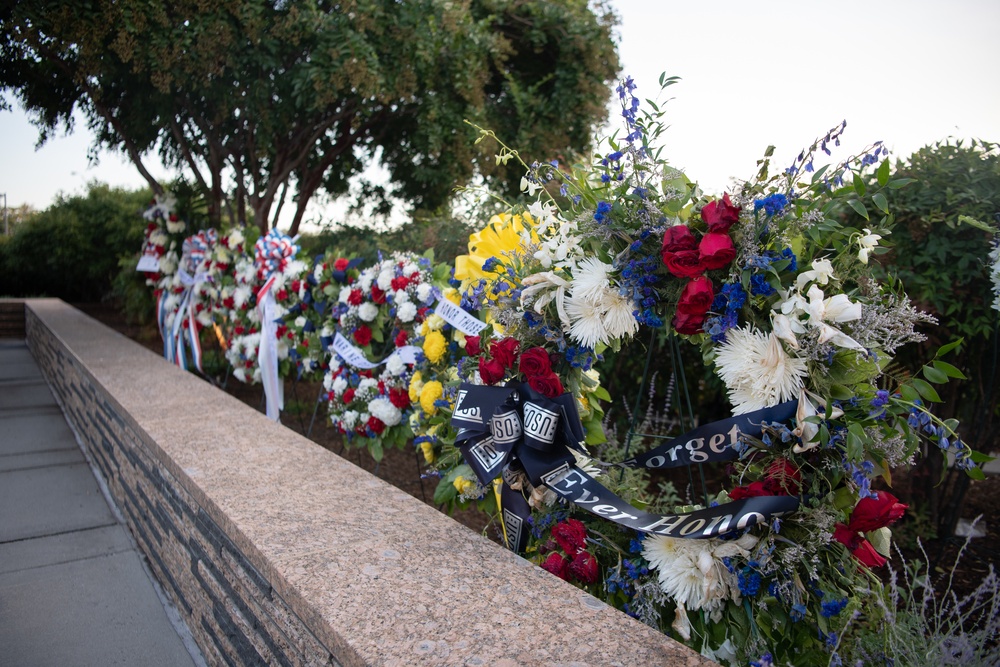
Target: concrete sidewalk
<point x="73" y="587"/>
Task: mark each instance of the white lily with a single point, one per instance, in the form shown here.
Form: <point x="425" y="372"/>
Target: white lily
<point x="781" y="326"/>
<point x="548" y="286"/>
<point x="838" y="308"/>
<point x="805" y="430"/>
<point x="529" y="187"/>
<point x="868" y="242"/>
<point x="821" y="273"/>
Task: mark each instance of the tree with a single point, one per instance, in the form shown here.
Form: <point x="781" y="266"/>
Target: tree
<point x="260" y="102"/>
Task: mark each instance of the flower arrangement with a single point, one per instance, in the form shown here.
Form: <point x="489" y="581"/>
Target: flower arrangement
<point x="771" y="283"/>
<point x="189" y="299"/>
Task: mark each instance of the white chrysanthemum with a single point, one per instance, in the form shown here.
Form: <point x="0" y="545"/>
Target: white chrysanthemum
<point x="168" y="263"/>
<point x="350" y="419"/>
<point x="757" y="371"/>
<point x="204" y="318"/>
<point x="410" y="268"/>
<point x="295" y="268"/>
<point x="676" y="564"/>
<point x="407" y="312"/>
<point x="401" y="297"/>
<point x="365" y="280"/>
<point x="424" y="292"/>
<point x="339" y="385"/>
<point x="618" y="317"/>
<point x="590" y="280"/>
<point x="367" y="386"/>
<point x="385" y="280"/>
<point x="383" y="409"/>
<point x="587" y="325"/>
<point x="175" y="226"/>
<point x="367" y="311"/>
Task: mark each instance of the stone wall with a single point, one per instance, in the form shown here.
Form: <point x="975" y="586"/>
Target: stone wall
<point x="278" y="552"/>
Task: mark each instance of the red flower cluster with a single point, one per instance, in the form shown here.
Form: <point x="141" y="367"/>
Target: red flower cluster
<point x="534" y="365"/>
<point x="575" y="562"/>
<point x="782" y="478"/>
<point x="687" y="257"/>
<point x="868" y="515"/>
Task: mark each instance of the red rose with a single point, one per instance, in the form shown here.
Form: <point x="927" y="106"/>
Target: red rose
<point x="376" y="425"/>
<point x="362" y="335"/>
<point x="849" y="538"/>
<point x="571" y="535"/>
<point x="555" y="564"/>
<point x="355" y="297"/>
<point x="684" y="264"/>
<point x="340" y="264"/>
<point x="401" y="339"/>
<point x="688" y="324"/>
<point x="866" y="555"/>
<point x="697" y="297"/>
<point x="348" y="395"/>
<point x="282" y="295"/>
<point x="716" y="250"/>
<point x="491" y="371"/>
<point x="505" y="351"/>
<point x="472" y="346"/>
<point x="874" y="513"/>
<point x="720" y="215"/>
<point x="584" y="567"/>
<point x="752" y="490"/>
<point x="678" y="238"/>
<point x="399" y="397"/>
<point x="378" y="296"/>
<point x="546" y="385"/>
<point x="534" y="362"/>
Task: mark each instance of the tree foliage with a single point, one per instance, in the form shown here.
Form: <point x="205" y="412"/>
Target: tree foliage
<point x="261" y="102"/>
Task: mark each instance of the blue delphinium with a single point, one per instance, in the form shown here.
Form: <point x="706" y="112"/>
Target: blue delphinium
<point x="772" y="204"/>
<point x="759" y="286"/>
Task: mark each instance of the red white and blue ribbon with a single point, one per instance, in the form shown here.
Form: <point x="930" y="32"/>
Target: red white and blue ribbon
<point x="272" y="253"/>
<point x="196" y="253"/>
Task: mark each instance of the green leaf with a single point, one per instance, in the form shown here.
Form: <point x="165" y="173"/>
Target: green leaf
<point x="859" y="208"/>
<point x="859" y="185"/>
<point x="375" y="449"/>
<point x="883" y="173"/>
<point x="945" y="349"/>
<point x="879" y="200"/>
<point x="926" y="391"/>
<point x="840" y="392"/>
<point x="976" y="474"/>
<point x="948" y="369"/>
<point x="445" y="492"/>
<point x="934" y="375"/>
<point x="979" y="457"/>
<point x="898" y="183"/>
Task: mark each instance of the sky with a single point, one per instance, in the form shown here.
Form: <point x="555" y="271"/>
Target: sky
<point x="772" y="72"/>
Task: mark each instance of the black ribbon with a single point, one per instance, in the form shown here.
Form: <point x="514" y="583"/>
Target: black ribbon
<point x="513" y="428"/>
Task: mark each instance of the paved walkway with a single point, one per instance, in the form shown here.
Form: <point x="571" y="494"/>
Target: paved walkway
<point x="73" y="587"/>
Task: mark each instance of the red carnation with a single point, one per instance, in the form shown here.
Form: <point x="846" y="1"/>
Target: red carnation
<point x="697" y="297"/>
<point x="874" y="513"/>
<point x="399" y="397"/>
<point x="556" y="564"/>
<point x="687" y="324"/>
<point x="491" y="371"/>
<point x="472" y="346"/>
<point x="401" y="338"/>
<point x="584" y="567"/>
<point x="376" y="425"/>
<point x="752" y="490"/>
<point x="400" y="283"/>
<point x="340" y="264"/>
<point x="362" y="335"/>
<point x="571" y="535"/>
<point x="348" y="395"/>
<point x="505" y="351"/>
<point x="534" y="363"/>
<point x="355" y="297"/>
<point x="282" y="295"/>
<point x="378" y="296"/>
<point x="720" y="215"/>
<point x="546" y="385"/>
<point x="684" y="264"/>
<point x="281" y="331"/>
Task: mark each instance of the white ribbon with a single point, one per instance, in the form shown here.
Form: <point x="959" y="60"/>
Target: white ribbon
<point x="356" y="357"/>
<point x="458" y="318"/>
<point x="267" y="354"/>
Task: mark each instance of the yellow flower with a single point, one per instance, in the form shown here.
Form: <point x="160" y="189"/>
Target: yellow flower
<point x="427" y="448"/>
<point x="416" y="384"/>
<point x="452" y="295"/>
<point x="434" y="322"/>
<point x="501" y="235"/>
<point x="434" y="346"/>
<point x="463" y="485"/>
<point x="431" y="392"/>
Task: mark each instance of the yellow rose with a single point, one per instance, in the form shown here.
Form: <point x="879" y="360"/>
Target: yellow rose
<point x="434" y="346"/>
<point x="416" y="384"/>
<point x="431" y="392"/>
<point x="427" y="448"/>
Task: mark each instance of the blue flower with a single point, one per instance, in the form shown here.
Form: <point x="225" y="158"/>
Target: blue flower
<point x="748" y="581"/>
<point x="491" y="265"/>
<point x="830" y="608"/>
<point x="798" y="612"/>
<point x="603" y="208"/>
<point x="759" y="286"/>
<point x="772" y="204"/>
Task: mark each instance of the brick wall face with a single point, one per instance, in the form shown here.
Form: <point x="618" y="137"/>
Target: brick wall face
<point x="234" y="614"/>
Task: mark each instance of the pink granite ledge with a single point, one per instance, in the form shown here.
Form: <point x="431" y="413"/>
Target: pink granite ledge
<point x="378" y="576"/>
